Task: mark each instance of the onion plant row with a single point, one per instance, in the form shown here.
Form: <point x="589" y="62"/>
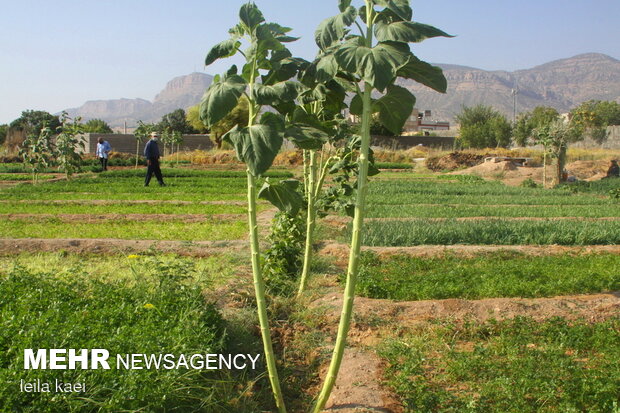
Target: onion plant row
<point x="211" y="230"/>
<point x="491" y="232"/>
<point x="456" y="211"/>
<point x="501" y="274"/>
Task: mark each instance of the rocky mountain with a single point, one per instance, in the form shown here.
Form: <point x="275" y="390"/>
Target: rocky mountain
<point x="180" y="92"/>
<point x="562" y="84"/>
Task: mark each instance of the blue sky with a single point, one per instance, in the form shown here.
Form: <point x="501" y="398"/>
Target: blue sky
<point x="59" y="54"/>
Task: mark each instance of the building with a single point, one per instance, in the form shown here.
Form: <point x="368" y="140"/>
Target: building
<point x="417" y="122"/>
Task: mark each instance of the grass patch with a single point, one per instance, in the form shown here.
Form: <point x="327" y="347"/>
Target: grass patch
<point x="489" y="232"/>
<point x="121" y="208"/>
<point x="23" y="177"/>
<point x="393" y="165"/>
<point x="501" y="274"/>
<point x="158" y="311"/>
<point x="509" y="211"/>
<point x="210" y="230"/>
<point x="520" y="365"/>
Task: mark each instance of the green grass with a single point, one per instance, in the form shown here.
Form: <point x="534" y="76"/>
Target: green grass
<point x="517" y="366"/>
<point x="457" y="211"/>
<point x="35" y="207"/>
<point x="393" y="165"/>
<point x="210" y="230"/>
<point x="159" y="309"/>
<point x="501" y="274"/>
<point x="467" y="190"/>
<point x="23" y="177"/>
<point x="489" y="232"/>
<point x="601" y="187"/>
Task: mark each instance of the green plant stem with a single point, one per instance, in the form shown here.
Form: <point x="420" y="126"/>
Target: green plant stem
<point x="310" y="221"/>
<point x="354" y="255"/>
<point x="259" y="282"/>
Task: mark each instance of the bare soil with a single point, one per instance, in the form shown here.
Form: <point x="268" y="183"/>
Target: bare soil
<point x="119" y="246"/>
<point x="340" y="252"/>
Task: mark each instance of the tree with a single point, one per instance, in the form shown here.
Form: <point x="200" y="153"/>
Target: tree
<point x="4" y="129"/>
<point x="555" y="138"/>
<point x="527" y="122"/>
<point x="32" y="121"/>
<point x="37" y="151"/>
<point x="175" y="121"/>
<point x="238" y="116"/>
<point x="97" y="126"/>
<point x="193" y="118"/>
<point x="483" y="127"/>
<point x="595" y="116"/>
<point x="67" y="144"/>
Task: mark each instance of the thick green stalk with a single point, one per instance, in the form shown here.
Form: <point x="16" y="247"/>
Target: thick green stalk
<point x="310" y="220"/>
<point x="259" y="283"/>
<point x="356" y="237"/>
<point x="354" y="258"/>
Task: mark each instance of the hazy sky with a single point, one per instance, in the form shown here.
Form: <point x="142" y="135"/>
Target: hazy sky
<point x="59" y="54"/>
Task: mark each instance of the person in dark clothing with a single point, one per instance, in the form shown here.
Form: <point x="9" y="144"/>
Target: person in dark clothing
<point x="614" y="170"/>
<point x="151" y="153"/>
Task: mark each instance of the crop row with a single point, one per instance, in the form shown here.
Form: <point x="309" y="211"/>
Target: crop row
<point x="490" y="232"/>
<point x="213" y="229"/>
<point x="500" y="274"/>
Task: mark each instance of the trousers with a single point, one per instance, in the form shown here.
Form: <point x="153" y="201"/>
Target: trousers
<point x="153" y="168"/>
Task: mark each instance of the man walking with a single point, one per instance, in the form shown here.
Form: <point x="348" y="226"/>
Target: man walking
<point x="103" y="152"/>
<point x="151" y="153"/>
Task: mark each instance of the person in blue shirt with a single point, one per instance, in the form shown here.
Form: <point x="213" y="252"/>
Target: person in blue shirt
<point x="151" y="153"/>
<point x="102" y="152"/>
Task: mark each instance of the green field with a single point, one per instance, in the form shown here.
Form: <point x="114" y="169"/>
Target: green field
<point x="501" y="274"/>
<point x="516" y="366"/>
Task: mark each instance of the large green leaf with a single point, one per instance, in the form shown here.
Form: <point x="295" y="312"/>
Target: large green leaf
<point x="284" y="195"/>
<point x="226" y="48"/>
<point x="343" y="5"/>
<point x="377" y="65"/>
<point x="400" y="8"/>
<point x="275" y="94"/>
<point x="256" y="145"/>
<point x="251" y="16"/>
<point x="408" y="32"/>
<point x="305" y="137"/>
<point x="274" y="120"/>
<point x="334" y="29"/>
<point x="424" y="73"/>
<point x="394" y="108"/>
<point x="221" y="98"/>
<point x="326" y="68"/>
<point x="356" y="107"/>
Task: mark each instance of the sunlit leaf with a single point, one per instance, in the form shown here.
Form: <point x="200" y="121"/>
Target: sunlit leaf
<point x="394" y="108"/>
<point x="256" y="146"/>
<point x="223" y="49"/>
<point x="334" y="28"/>
<point x="284" y="195"/>
<point x="221" y="98"/>
<point x="406" y="31"/>
<point x="424" y="73"/>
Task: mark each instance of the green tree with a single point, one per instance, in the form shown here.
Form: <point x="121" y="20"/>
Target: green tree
<point x="483" y="127"/>
<point x="595" y="116"/>
<point x="33" y="121"/>
<point x="555" y="137"/>
<point x="527" y="122"/>
<point x="4" y="129"/>
<point x="37" y="151"/>
<point x="238" y="116"/>
<point x="68" y="143"/>
<point x="193" y="118"/>
<point x="176" y="121"/>
<point x="97" y="126"/>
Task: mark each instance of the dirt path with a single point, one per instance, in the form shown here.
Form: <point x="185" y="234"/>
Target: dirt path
<point x="591" y="307"/>
<point x="341" y="251"/>
<point x="358" y="386"/>
<point x="119" y="246"/>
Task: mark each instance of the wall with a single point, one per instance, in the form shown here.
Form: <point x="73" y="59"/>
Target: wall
<point x="612" y="142"/>
<point x="127" y="143"/>
<point x="406" y="142"/>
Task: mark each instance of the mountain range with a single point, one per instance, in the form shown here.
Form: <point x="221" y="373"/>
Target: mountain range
<point x="562" y="84"/>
